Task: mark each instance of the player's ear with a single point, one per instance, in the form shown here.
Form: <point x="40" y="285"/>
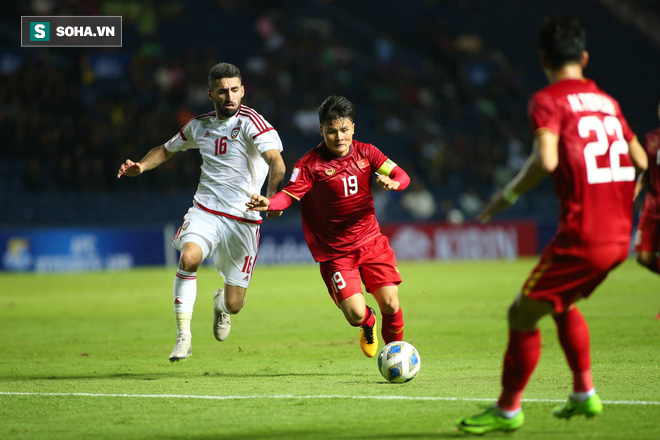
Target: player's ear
<point x="544" y="62"/>
<point x="208" y="93"/>
<point x="585" y="59"/>
<point x="321" y="130"/>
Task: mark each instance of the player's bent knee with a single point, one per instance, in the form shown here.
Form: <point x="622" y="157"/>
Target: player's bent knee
<point x="189" y="262"/>
<point x="391" y="305"/>
<point x="354" y="316"/>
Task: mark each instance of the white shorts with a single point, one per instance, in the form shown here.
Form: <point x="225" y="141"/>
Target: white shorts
<point x="233" y="241"/>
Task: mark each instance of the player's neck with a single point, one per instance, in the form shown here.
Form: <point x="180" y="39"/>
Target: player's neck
<point x="568" y="71"/>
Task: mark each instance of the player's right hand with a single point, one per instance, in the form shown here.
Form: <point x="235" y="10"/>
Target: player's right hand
<point x="129" y="169"/>
<point x="496" y="205"/>
<point x="258" y="203"/>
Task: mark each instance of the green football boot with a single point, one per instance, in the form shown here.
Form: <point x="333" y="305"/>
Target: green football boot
<point x="489" y="420"/>
<point x="589" y="408"/>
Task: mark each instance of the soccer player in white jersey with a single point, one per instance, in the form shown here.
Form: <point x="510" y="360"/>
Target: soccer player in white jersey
<point x="239" y="149"/>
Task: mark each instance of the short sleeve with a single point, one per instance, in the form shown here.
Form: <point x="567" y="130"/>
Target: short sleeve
<point x="377" y="158"/>
<point x="628" y="134"/>
<point x="268" y="140"/>
<point x="183" y="140"/>
<point x="543" y="113"/>
<point x="259" y="132"/>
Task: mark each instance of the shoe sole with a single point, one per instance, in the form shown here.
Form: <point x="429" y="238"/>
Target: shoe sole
<point x="180" y="359"/>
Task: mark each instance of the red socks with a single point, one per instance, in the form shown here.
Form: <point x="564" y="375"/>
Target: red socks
<point x="392" y="326"/>
<point x="520" y="359"/>
<point x="574" y="338"/>
<point x="369" y="318"/>
<point x="524" y="349"/>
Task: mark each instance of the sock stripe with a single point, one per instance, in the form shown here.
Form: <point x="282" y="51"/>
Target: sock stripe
<point x="186" y="277"/>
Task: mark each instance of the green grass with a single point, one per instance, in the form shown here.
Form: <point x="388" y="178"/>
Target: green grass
<point x="111" y="333"/>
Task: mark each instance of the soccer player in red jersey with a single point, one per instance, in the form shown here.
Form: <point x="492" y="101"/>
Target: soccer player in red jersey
<point x="647" y="239"/>
<point x="582" y="139"/>
<point x="333" y="184"/>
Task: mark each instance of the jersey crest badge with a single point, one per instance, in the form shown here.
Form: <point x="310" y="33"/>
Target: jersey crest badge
<point x="330" y="171"/>
<point x="363" y="163"/>
<point x="234" y="131"/>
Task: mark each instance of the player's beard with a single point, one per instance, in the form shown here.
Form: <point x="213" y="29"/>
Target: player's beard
<point x="225" y="113"/>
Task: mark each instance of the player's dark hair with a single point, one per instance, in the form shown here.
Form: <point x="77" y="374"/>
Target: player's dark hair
<point x="336" y="107"/>
<point x="562" y="40"/>
<point x="223" y="70"/>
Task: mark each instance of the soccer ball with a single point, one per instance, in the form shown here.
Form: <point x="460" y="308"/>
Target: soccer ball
<point x="399" y="362"/>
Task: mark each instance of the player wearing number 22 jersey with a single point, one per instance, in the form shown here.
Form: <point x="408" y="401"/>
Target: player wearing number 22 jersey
<point x="333" y="184"/>
<point x="594" y="179"/>
<point x="582" y="139"/>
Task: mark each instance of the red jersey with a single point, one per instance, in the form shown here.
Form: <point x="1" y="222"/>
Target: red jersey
<point x="595" y="177"/>
<point x="652" y="199"/>
<point x="335" y="195"/>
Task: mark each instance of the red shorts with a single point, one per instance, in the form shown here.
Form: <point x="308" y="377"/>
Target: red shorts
<point x="647" y="238"/>
<point x="566" y="274"/>
<point x="374" y="265"/>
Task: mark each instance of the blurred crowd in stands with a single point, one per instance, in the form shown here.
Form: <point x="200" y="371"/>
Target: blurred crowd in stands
<point x="447" y="107"/>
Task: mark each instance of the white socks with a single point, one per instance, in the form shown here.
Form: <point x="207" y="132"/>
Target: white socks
<point x="185" y="293"/>
<point x="506" y="414"/>
<point x="582" y="396"/>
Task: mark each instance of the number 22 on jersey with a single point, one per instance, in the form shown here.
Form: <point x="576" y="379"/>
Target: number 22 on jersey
<point x="609" y="125"/>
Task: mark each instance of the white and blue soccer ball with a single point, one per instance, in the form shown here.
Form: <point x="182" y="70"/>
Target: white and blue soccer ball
<point x="399" y="362"/>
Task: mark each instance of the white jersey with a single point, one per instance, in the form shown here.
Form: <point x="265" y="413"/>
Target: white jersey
<point x="233" y="168"/>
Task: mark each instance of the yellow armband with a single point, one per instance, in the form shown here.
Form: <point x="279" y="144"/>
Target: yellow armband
<point x="386" y="168"/>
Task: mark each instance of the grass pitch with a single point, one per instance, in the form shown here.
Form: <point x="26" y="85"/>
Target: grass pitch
<point x="85" y="356"/>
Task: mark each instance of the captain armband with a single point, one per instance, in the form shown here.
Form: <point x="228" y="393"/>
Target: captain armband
<point x="386" y="168"/>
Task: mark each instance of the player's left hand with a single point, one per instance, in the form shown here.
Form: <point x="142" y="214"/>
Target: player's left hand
<point x="258" y="203"/>
<point x="496" y="205"/>
<point x="386" y="183"/>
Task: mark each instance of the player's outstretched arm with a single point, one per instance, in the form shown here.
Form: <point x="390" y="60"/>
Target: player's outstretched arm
<point x="543" y="161"/>
<point x="258" y="203"/>
<point x="151" y="160"/>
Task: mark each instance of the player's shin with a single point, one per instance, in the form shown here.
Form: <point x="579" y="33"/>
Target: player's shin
<point x="185" y="292"/>
<point x="573" y="335"/>
<point x="520" y="359"/>
<point x="392" y="329"/>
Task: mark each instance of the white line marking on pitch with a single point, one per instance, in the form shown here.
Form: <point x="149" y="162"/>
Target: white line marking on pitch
<point x="322" y="396"/>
